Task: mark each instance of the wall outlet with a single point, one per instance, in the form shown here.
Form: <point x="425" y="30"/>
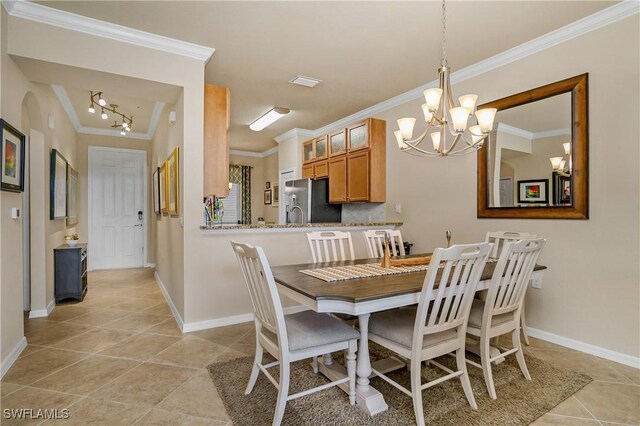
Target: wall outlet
<point x="536" y="282"/>
<point x="398" y="208"/>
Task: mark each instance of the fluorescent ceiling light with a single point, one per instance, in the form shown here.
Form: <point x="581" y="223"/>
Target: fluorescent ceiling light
<point x="271" y="116"/>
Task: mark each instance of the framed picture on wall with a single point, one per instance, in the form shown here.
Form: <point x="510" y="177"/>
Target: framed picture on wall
<point x="156" y="190"/>
<point x="72" y="196"/>
<point x="162" y="178"/>
<point x="268" y="185"/>
<point x="172" y="183"/>
<point x="267" y="196"/>
<point x="12" y="158"/>
<point x="561" y="190"/>
<point x="58" y="186"/>
<point x="534" y="191"/>
<point x="276" y="195"/>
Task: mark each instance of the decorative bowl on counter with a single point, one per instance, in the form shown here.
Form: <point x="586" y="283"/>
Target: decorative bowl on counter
<point x="71" y="240"/>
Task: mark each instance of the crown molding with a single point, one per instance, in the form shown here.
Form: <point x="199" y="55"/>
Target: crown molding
<point x="70" y="21"/>
<point x="262" y="154"/>
<point x="575" y="29"/>
<point x="551" y="133"/>
<point x="296" y="133"/>
<point x="63" y="97"/>
<point x="513" y="130"/>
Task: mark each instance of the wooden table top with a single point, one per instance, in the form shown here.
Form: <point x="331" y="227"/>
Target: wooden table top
<point x="359" y="289"/>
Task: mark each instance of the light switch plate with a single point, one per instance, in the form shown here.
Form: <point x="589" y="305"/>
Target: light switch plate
<point x="398" y="208"/>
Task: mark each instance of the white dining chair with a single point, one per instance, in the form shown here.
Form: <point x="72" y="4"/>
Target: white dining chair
<point x="499" y="238"/>
<point x="438" y="325"/>
<point x="330" y="246"/>
<point x="375" y="242"/>
<point x="290" y="338"/>
<point x="500" y="312"/>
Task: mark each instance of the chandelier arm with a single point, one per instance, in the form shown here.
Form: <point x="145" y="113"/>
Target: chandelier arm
<point x="471" y="143"/>
<point x="411" y="148"/>
<point x="467" y="149"/>
<point x="453" y="144"/>
<point x="419" y="139"/>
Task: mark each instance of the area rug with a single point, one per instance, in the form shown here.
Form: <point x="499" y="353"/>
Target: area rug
<point x="519" y="402"/>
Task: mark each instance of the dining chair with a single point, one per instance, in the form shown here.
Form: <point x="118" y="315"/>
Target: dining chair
<point x="438" y="325"/>
<point x="290" y="338"/>
<point x="499" y="238"/>
<point x="375" y="242"/>
<point x="330" y="246"/>
<point x="500" y="312"/>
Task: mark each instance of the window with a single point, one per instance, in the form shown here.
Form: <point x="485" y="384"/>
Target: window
<point x="232" y="205"/>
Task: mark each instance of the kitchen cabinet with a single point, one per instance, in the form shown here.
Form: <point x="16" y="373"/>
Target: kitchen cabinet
<point x="216" y="140"/>
<point x="338" y="143"/>
<point x="358" y="176"/>
<point x="316" y="170"/>
<point x="307" y="171"/>
<point x="314" y="150"/>
<point x="70" y="272"/>
<point x="308" y="154"/>
<point x="338" y="179"/>
<point x="358" y="136"/>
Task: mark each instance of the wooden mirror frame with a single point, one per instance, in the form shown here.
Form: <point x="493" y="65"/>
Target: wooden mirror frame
<point x="579" y="209"/>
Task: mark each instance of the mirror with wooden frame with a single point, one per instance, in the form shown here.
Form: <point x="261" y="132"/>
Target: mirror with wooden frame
<point x="534" y="164"/>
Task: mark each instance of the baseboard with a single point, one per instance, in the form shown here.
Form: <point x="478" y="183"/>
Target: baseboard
<point x="621" y="358"/>
<point x="13" y="356"/>
<point x="149" y="265"/>
<point x="231" y="320"/>
<point x="41" y="313"/>
<point x="167" y="297"/>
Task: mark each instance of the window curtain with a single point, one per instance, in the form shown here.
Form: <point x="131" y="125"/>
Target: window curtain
<point x="242" y="175"/>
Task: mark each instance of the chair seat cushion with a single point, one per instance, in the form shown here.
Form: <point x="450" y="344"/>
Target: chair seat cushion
<point x="397" y="326"/>
<point x="477" y="310"/>
<point x="308" y="329"/>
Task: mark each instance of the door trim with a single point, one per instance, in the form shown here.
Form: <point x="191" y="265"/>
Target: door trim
<point x="92" y="151"/>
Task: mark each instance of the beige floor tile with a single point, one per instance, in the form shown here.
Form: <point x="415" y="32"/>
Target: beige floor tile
<point x="581" y="362"/>
<point x="147" y="384"/>
<point x="30" y="349"/>
<point x="197" y="397"/>
<point x="67" y="312"/>
<point x="571" y="407"/>
<point x="542" y="344"/>
<point x="102" y="301"/>
<point x="135" y="304"/>
<point x="228" y="355"/>
<point x="245" y="349"/>
<point x="94" y="340"/>
<point x="35" y="324"/>
<point x="158" y="417"/>
<point x="552" y="419"/>
<point x="35" y="399"/>
<point x="612" y="402"/>
<point x="160" y="309"/>
<point x="631" y="373"/>
<point x="168" y="327"/>
<point x="55" y="333"/>
<point x="98" y="317"/>
<point x="87" y="375"/>
<point x="136" y="322"/>
<point x="225" y="335"/>
<point x="189" y="352"/>
<point x="40" y="364"/>
<point x="100" y="412"/>
<point x="7" y="388"/>
<point x="140" y="346"/>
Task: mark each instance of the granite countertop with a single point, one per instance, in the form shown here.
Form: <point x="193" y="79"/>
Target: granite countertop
<point x="297" y="225"/>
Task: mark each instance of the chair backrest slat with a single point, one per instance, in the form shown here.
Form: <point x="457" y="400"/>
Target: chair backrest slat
<point x="447" y="292"/>
<point x="499" y="238"/>
<point x="263" y="292"/>
<point x="375" y="242"/>
<point x="511" y="276"/>
<point x="330" y="246"/>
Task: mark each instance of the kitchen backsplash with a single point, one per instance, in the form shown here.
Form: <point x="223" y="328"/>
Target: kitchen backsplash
<point x="363" y="212"/>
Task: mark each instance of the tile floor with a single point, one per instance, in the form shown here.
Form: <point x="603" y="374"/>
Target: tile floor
<point x="117" y="362"/>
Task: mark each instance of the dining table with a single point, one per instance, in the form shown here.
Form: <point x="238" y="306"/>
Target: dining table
<point x="361" y="297"/>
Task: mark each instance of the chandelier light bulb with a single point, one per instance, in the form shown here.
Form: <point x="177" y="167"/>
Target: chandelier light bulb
<point x="476" y="133"/>
<point x="104" y="115"/>
<point x="401" y="143"/>
<point x="567" y="148"/>
<point x="102" y="102"/>
<point x="428" y="115"/>
<point x="485" y="119"/>
<point x="459" y="117"/>
<point x="123" y="133"/>
<point x="92" y="109"/>
<point x="406" y="127"/>
<point x="468" y="102"/>
<point x="432" y="97"/>
<point x="435" y="138"/>
<point x="562" y="164"/>
<point x="556" y="163"/>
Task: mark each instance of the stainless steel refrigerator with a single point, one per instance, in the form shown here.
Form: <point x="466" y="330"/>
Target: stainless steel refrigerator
<point x="307" y="201"/>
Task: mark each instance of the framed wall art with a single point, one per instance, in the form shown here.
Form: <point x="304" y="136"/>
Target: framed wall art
<point x="267" y="196"/>
<point x="534" y="191"/>
<point x="162" y="178"/>
<point x="172" y="183"/>
<point x="72" y="196"/>
<point x="12" y="158"/>
<point x="561" y="190"/>
<point x="58" y="186"/>
<point x="155" y="188"/>
<point x="276" y="195"/>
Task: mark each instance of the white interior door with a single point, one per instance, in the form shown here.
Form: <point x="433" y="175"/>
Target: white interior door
<point x="285" y="176"/>
<point x="117" y="208"/>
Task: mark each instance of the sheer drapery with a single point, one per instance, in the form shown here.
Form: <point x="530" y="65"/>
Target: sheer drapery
<point x="242" y="175"/>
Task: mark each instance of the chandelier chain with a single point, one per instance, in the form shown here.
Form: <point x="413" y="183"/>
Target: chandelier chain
<point x="443" y="60"/>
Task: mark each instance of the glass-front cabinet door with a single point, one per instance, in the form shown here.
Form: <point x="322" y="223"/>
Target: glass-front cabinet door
<point x="320" y="148"/>
<point x="307" y="152"/>
<point x="338" y="143"/>
<point x="358" y="137"/>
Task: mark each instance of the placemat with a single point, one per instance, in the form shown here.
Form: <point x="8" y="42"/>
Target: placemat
<point x="367" y="270"/>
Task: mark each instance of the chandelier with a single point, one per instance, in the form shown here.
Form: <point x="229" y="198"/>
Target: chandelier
<point x="559" y="164"/>
<point x="97" y="101"/>
<point x="446" y="123"/>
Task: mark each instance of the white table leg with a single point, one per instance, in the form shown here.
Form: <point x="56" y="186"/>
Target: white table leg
<point x="369" y="399"/>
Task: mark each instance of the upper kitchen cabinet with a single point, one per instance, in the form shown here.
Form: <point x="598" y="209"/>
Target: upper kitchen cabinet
<point x="308" y="154"/>
<point x="338" y="143"/>
<point x="358" y="136"/>
<point x="216" y="140"/>
<point x="315" y="149"/>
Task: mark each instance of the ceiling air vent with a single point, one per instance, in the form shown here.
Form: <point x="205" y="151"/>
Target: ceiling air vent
<point x="305" y="81"/>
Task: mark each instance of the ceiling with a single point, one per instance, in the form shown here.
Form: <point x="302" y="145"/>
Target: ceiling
<point x="545" y="115"/>
<point x="364" y="52"/>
